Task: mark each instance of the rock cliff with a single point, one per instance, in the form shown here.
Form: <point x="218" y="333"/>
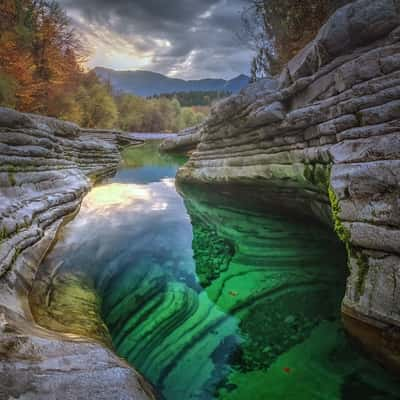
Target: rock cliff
<point x="323" y="139"/>
<point x="46" y="168"/>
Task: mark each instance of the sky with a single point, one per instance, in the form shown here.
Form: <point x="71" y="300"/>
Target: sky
<point x="188" y="39"/>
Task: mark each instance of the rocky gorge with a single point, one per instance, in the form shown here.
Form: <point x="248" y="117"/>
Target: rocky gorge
<point x="322" y="140"/>
<point x="47" y="166"/>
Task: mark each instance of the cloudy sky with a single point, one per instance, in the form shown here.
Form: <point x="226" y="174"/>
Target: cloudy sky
<point x="188" y="39"/>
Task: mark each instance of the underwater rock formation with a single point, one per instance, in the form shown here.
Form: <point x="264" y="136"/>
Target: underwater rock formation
<point x="261" y="296"/>
<point x="46" y="168"/>
<point x="323" y="139"/>
<point x="254" y="295"/>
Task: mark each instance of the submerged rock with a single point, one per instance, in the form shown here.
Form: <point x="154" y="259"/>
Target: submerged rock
<point x="322" y="139"/>
<point x="190" y="327"/>
<point x="46" y="168"/>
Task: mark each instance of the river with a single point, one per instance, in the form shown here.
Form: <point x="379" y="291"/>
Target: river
<point x="206" y="293"/>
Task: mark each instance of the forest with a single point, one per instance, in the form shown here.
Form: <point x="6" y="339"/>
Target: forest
<point x="198" y="98"/>
<point x="42" y="71"/>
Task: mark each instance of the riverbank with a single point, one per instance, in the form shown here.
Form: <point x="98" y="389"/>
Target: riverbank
<point x="47" y="167"/>
<point x="205" y="291"/>
<point x="322" y="140"/>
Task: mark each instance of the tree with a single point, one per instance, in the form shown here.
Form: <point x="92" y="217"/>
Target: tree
<point x="8" y="88"/>
<point x="16" y="62"/>
<point x="40" y="71"/>
<point x="40" y="53"/>
<point x="98" y="106"/>
<point x="131" y="110"/>
<point x="278" y="29"/>
<point x="57" y="53"/>
<point x="189" y="117"/>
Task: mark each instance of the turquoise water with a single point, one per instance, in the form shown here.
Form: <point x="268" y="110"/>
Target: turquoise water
<point x="211" y="299"/>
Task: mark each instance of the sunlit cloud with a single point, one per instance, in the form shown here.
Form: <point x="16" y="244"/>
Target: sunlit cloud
<point x="180" y="68"/>
<point x="109" y="49"/>
<point x="188" y="39"/>
<point x="208" y="13"/>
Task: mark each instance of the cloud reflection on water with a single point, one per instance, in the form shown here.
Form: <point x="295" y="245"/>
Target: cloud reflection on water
<point x="116" y="195"/>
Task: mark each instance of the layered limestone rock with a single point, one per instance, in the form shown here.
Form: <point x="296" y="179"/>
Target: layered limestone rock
<point x="323" y="139"/>
<point x="46" y="168"/>
<point x="185" y="141"/>
<point x="121" y="139"/>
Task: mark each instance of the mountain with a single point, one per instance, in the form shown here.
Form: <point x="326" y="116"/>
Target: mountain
<point x="146" y="83"/>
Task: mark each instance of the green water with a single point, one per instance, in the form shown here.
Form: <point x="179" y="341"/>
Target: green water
<point x="209" y="298"/>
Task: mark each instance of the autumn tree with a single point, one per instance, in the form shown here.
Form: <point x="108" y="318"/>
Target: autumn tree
<point x="40" y="55"/>
<point x="17" y="85"/>
<point x="57" y="54"/>
<point x="41" y="71"/>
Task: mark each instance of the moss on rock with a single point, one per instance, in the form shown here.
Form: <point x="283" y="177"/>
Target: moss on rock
<point x="342" y="232"/>
<point x="318" y="174"/>
<point x="362" y="272"/>
<point x="72" y="306"/>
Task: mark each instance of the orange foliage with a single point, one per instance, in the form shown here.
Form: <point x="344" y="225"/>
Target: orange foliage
<point x="40" y="52"/>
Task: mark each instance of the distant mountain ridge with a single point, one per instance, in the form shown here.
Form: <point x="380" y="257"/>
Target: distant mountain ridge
<point x="146" y="83"/>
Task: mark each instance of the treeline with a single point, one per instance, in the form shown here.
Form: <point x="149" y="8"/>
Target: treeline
<point x="155" y="115"/>
<point x="195" y="98"/>
<point x="41" y="71"/>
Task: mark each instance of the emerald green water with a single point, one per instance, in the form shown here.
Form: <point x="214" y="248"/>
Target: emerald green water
<point x="212" y="297"/>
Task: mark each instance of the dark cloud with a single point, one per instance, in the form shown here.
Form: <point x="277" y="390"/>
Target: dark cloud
<point x="186" y="38"/>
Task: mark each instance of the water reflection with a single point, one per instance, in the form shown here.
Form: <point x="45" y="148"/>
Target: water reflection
<point x="145" y="165"/>
<point x="116" y="195"/>
<point x="207" y="297"/>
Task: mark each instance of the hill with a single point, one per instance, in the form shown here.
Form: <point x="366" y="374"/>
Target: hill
<point x="146" y="83"/>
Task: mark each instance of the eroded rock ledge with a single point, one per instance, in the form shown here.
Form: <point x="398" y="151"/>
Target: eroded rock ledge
<point x="185" y="141"/>
<point x="324" y="139"/>
<point x="46" y="168"/>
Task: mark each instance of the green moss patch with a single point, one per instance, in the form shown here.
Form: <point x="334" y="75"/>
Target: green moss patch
<point x="11" y="178"/>
<point x="363" y="268"/>
<point x="318" y="174"/>
<point x="342" y="232"/>
<point x="73" y="306"/>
